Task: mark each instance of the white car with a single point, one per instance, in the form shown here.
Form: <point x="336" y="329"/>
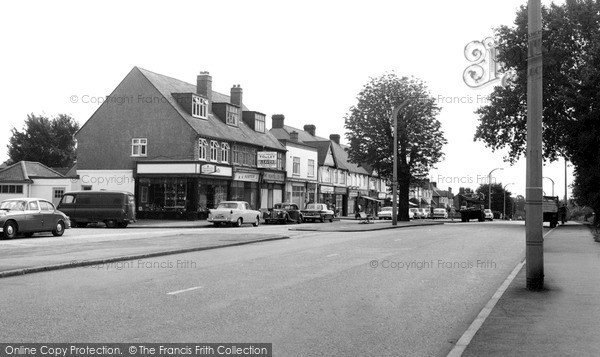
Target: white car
<point x="386" y="213"/>
<point x="488" y="214"/>
<point x="424" y="213"/>
<point x="234" y="213"/>
<point x="414" y="213"/>
<point x="440" y="213"/>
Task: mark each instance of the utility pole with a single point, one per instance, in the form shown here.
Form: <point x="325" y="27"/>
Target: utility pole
<point x="534" y="252"/>
<point x="504" y="205"/>
<point x="552" y="184"/>
<point x="490" y="187"/>
<point x="565" y="180"/>
<point x="395" y="179"/>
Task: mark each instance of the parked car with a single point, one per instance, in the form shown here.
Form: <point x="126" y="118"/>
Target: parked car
<point x="416" y="214"/>
<point x="424" y="213"/>
<point x="113" y="208"/>
<point x="31" y="215"/>
<point x="234" y="213"/>
<point x="386" y="213"/>
<point x="440" y="213"/>
<point x="283" y="213"/>
<point x="317" y="211"/>
<point x="489" y="216"/>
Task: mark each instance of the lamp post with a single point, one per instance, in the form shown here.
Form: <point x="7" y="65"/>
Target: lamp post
<point x="490" y="186"/>
<point x="504" y="205"/>
<point x="552" y="184"/>
<point x="534" y="249"/>
<point x="395" y="111"/>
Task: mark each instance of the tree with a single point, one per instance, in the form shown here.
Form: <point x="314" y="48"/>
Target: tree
<point x="498" y="193"/>
<point x="571" y="92"/>
<point x="51" y="142"/>
<point x="420" y="138"/>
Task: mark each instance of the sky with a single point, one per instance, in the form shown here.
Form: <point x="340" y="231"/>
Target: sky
<point x="305" y="59"/>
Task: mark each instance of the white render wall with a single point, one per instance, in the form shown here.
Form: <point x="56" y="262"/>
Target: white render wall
<point x="117" y="180"/>
<point x="304" y="154"/>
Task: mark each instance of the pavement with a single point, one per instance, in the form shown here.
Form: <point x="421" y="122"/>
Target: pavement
<point x="563" y="319"/>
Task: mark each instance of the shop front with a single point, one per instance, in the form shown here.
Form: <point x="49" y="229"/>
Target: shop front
<point x="180" y="190"/>
<point x="352" y="206"/>
<point x="341" y="199"/>
<point x="245" y="187"/>
<point x="271" y="188"/>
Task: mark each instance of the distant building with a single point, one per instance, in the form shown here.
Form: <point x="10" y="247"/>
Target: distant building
<point x="33" y="179"/>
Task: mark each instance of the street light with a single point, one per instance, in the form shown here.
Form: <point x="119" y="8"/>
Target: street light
<point x="552" y="184"/>
<point x="395" y="179"/>
<point x="490" y="186"/>
<point x="504" y="194"/>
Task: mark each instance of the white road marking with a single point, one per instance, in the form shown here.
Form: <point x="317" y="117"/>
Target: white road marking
<point x="466" y="338"/>
<point x="331" y="255"/>
<point x="184" y="290"/>
<point x="397" y="240"/>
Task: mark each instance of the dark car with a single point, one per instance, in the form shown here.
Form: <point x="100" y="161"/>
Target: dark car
<point x="283" y="213"/>
<point x="113" y="208"/>
<point x="30" y="215"/>
<point x="317" y="211"/>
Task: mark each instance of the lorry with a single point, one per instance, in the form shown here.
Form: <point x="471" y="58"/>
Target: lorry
<point x="472" y="207"/>
<point x="550" y="210"/>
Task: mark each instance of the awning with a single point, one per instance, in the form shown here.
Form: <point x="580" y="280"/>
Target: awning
<point x="372" y="199"/>
<point x="410" y="204"/>
<point x="423" y="201"/>
<point x="414" y="201"/>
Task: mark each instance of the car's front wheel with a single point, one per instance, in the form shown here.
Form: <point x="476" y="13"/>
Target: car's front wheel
<point x="10" y="230"/>
<point x="59" y="229"/>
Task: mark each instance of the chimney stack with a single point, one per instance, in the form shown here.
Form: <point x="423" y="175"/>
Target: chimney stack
<point x="311" y="129"/>
<point x="277" y="121"/>
<point x="204" y="87"/>
<point x="236" y="95"/>
<point x="335" y="138"/>
<point x="294" y="136"/>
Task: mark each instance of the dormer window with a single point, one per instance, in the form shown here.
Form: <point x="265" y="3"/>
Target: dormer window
<point x="259" y="123"/>
<point x="232" y="115"/>
<point x="199" y="107"/>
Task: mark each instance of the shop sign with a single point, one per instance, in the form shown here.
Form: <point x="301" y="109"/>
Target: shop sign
<point x="340" y="190"/>
<point x="382" y="195"/>
<point x="209" y="169"/>
<point x="326" y="189"/>
<point x="353" y="193"/>
<point x="214" y="170"/>
<point x="266" y="159"/>
<point x="245" y="176"/>
<point x="274" y="176"/>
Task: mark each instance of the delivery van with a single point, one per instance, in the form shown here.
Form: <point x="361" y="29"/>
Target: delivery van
<point x="113" y="208"/>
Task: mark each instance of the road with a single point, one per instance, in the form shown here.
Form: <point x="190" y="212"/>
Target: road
<point x="404" y="292"/>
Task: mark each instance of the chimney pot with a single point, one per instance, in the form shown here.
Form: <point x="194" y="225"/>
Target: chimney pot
<point x="294" y="136"/>
<point x="236" y="95"/>
<point x="335" y="138"/>
<point x="277" y="121"/>
<point x="204" y="87"/>
<point x="311" y="129"/>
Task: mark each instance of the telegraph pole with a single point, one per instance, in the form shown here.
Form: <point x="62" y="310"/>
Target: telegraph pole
<point x="534" y="251"/>
<point x="395" y="179"/>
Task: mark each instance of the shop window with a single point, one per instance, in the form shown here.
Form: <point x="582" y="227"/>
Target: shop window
<point x="311" y="168"/>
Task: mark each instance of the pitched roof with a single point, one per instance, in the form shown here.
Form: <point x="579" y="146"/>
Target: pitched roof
<point x="26" y="170"/>
<point x="322" y="144"/>
<point x="212" y="127"/>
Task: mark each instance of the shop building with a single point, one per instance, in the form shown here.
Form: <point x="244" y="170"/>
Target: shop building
<point x="188" y="147"/>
